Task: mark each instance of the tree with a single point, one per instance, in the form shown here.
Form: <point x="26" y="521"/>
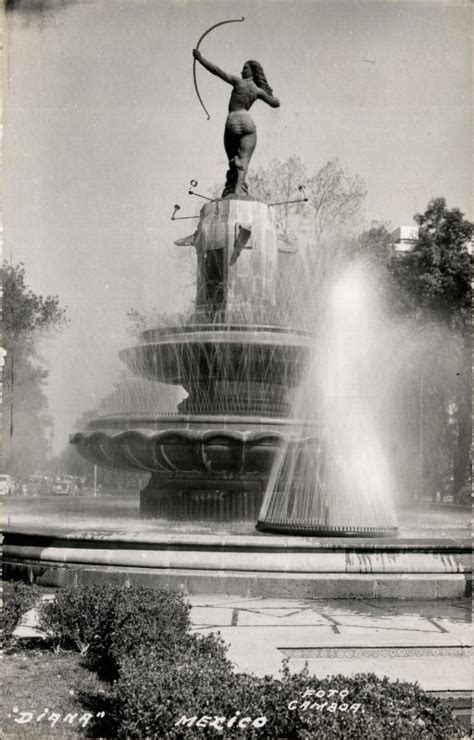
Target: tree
<point x="26" y="318"/>
<point x="334" y="199"/>
<point x="433" y="280"/>
<point x="277" y="183"/>
<point x="314" y="237"/>
<point x="431" y="284"/>
<point x="376" y="245"/>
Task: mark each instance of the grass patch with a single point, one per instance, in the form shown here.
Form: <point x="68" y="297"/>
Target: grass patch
<point x="35" y="680"/>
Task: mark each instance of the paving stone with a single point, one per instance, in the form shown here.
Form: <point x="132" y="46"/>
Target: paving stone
<point x="28" y="626"/>
<point x="330" y="635"/>
<point x="225" y="600"/>
<point x="202" y="615"/>
<point x="387" y="622"/>
<point x="288" y="617"/>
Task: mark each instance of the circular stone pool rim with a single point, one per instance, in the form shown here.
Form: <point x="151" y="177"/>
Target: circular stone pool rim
<point x="257" y="566"/>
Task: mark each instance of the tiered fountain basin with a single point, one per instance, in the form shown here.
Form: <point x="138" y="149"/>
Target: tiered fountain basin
<point x="225" y="368"/>
<point x="212" y="459"/>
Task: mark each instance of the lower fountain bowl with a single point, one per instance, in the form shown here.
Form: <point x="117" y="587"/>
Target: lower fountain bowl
<point x="203" y="467"/>
<point x="193" y="445"/>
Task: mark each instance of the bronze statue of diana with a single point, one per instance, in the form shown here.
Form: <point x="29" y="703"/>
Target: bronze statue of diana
<point x="240" y="134"/>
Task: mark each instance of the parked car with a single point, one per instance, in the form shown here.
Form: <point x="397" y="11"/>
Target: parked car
<point x="36" y="485"/>
<point x="6" y="485"/>
<point x="63" y="485"/>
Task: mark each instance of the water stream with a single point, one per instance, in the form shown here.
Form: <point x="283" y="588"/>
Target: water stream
<point x="339" y="477"/>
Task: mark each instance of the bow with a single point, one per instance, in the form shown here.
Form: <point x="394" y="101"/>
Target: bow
<point x="235" y="20"/>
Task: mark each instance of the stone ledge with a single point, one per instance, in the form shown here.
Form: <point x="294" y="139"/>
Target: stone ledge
<point x="245" y="584"/>
<point x="257" y="543"/>
<point x="231" y="559"/>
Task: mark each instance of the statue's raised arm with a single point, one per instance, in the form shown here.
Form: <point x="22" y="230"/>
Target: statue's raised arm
<point x="240" y="134"/>
<point x="214" y="69"/>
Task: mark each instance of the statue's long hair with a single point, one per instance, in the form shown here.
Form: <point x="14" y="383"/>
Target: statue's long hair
<point x="258" y="76"/>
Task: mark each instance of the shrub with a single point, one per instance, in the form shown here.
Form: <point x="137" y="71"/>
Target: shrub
<point x="156" y="698"/>
<point x="106" y="622"/>
<point x="174" y="684"/>
<point x="17" y="598"/>
<point x="153" y="689"/>
<point x="78" y="617"/>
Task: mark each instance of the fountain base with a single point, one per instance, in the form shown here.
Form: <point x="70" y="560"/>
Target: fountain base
<point x="195" y="499"/>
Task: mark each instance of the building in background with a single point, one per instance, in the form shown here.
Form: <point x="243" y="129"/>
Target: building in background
<point x="404" y="238"/>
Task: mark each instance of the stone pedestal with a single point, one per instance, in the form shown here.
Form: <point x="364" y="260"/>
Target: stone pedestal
<point x="237" y="257"/>
<point x="197" y="499"/>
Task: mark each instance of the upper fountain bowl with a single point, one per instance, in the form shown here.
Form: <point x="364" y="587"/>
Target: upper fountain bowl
<point x="225" y="368"/>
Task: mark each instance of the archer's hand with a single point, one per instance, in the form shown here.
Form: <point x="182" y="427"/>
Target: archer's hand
<point x="197" y="54"/>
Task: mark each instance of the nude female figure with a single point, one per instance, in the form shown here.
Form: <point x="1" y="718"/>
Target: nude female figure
<point x="240" y="134"/>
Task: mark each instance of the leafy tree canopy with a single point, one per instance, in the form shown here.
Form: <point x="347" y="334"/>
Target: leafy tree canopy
<point x="26" y="314"/>
<point x="375" y="244"/>
<point x="26" y="423"/>
<point x="434" y="279"/>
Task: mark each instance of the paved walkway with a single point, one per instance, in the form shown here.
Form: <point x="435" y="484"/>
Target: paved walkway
<point x="424" y="641"/>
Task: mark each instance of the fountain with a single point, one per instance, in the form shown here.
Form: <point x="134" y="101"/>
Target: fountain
<point x="211" y="460"/>
<point x="274" y="432"/>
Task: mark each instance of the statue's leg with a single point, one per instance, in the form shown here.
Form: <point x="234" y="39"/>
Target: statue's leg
<point x="231" y="144"/>
<point x="246" y="148"/>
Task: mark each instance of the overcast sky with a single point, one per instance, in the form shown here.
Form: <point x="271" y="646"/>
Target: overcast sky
<point x="103" y="132"/>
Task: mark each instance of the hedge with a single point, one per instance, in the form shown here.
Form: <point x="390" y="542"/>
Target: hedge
<point x="192" y="696"/>
<point x="166" y="681"/>
<point x="106" y="623"/>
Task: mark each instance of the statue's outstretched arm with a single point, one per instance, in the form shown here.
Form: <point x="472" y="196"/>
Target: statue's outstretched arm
<point x="269" y="99"/>
<point x="213" y="69"/>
